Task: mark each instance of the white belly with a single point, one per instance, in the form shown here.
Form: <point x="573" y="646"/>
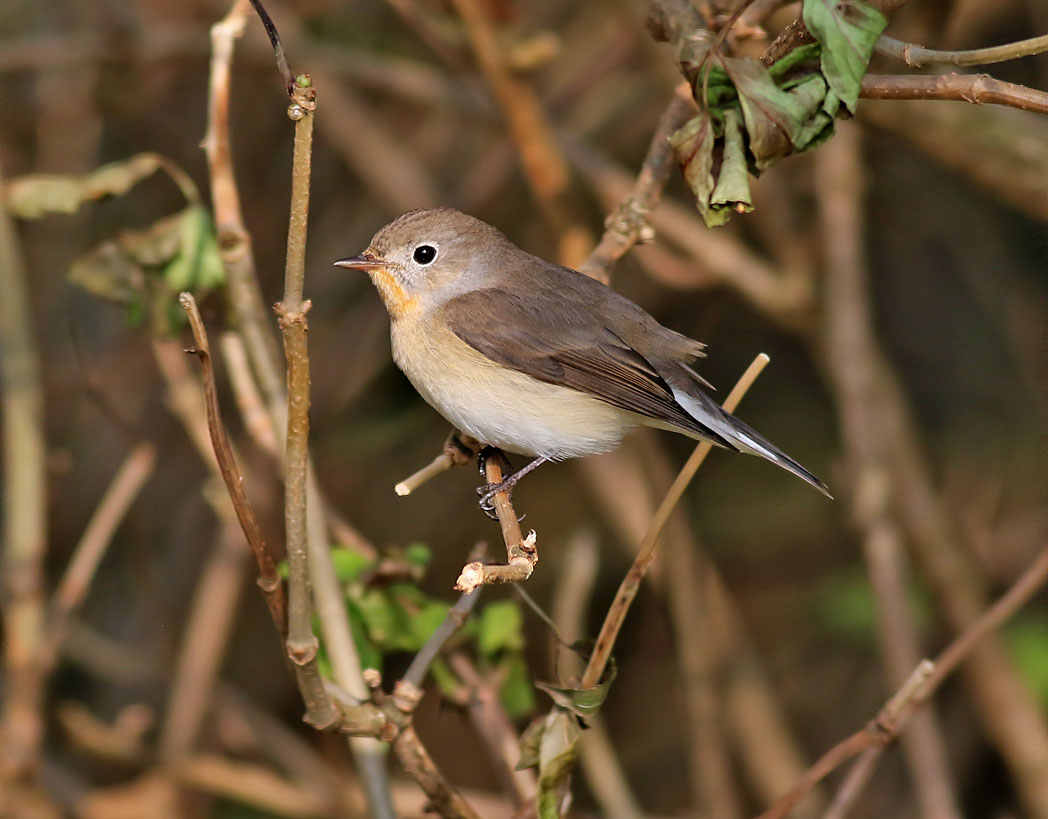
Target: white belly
<point x="499" y="406"/>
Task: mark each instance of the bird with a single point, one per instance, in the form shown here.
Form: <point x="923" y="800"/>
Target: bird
<point x="533" y="358"/>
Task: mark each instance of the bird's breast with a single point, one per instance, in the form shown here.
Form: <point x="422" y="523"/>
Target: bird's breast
<point x="497" y="405"/>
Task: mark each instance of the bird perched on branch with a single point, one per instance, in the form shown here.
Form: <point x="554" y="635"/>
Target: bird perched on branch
<point x="534" y="358"/>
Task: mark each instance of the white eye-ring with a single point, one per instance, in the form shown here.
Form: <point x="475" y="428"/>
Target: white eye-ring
<point x="424" y="254"/>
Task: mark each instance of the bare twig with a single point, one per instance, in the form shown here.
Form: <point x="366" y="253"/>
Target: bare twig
<point x="597" y="757"/>
<point x="630" y="222"/>
<point x="979" y="89"/>
<point x="212" y="614"/>
<point x="416" y="761"/>
<point x="916" y="56"/>
<point x="268" y="579"/>
<point x="459" y="449"/>
<point x="839" y="187"/>
<point x="544" y="165"/>
<point x="25" y="518"/>
<point x="921" y="686"/>
<point x="453" y="621"/>
<point x="495" y="729"/>
<point x="646" y="553"/>
<point x="98" y="534"/>
<point x="521" y="554"/>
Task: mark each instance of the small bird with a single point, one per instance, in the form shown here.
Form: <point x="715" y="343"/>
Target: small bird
<point x="534" y="358"/>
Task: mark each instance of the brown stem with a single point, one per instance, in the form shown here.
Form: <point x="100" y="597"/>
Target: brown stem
<point x="545" y="168"/>
<point x="979" y="89"/>
<point x="646" y="553"/>
<point x="921" y="686"/>
<point x="268" y="579"/>
<point x="521" y="554"/>
<point x="915" y="56"/>
<point x="98" y="534"/>
<point x="839" y="188"/>
<point x="416" y="761"/>
<point x="630" y="222"/>
<point x="25" y="518"/>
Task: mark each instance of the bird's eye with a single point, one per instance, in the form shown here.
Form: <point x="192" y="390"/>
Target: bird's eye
<point x="424" y="254"/>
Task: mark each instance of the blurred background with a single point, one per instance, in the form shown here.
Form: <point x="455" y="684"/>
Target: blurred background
<point x="896" y="277"/>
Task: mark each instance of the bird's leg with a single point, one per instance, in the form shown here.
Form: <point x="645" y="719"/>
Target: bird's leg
<point x="488" y="491"/>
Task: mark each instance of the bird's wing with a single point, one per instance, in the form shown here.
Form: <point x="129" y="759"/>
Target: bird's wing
<point x="574" y="348"/>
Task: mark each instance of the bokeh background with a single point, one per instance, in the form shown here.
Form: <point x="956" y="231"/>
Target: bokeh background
<point x="952" y="231"/>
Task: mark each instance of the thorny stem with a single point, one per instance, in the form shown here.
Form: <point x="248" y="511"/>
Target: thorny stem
<point x="646" y="553"/>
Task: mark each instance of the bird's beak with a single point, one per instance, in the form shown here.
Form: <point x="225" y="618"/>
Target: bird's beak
<point x="365" y="261"/>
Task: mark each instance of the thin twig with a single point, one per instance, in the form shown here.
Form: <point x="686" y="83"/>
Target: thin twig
<point x="839" y="187"/>
<point x="979" y="89"/>
<point x="454" y="620"/>
<point x="892" y="719"/>
<point x="209" y="624"/>
<point x="916" y="56"/>
<point x="495" y="729"/>
<point x="630" y="222"/>
<point x="414" y="758"/>
<point x="25" y="517"/>
<point x="544" y="165"/>
<point x="646" y="553"/>
<point x="459" y="450"/>
<point x="98" y="534"/>
<point x="268" y="579"/>
<point x="521" y="554"/>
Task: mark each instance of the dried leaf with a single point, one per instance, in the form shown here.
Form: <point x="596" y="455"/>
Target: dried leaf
<point x="36" y="195"/>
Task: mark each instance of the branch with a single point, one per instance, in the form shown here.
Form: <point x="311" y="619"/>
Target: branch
<point x="921" y="686"/>
<point x="630" y="222"/>
<point x="544" y="165"/>
<point x="646" y="553"/>
<point x="979" y="89"/>
<point x="136" y="469"/>
<point x="414" y="758"/>
<point x="839" y="188"/>
<point x="25" y="517"/>
<point x="521" y="554"/>
<point x="916" y="56"/>
<point x="268" y="579"/>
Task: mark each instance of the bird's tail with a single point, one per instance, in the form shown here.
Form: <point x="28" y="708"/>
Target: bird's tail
<point x="725" y="430"/>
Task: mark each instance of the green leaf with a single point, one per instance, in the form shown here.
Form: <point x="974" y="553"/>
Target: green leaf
<point x="773" y="117"/>
<point x="418" y="554"/>
<point x="197" y="265"/>
<point x="1027" y="637"/>
<point x="36" y="195"/>
<point x="583" y="702"/>
<point x="732" y="192"/>
<point x="500" y="628"/>
<point x="517" y="694"/>
<point x="693" y="145"/>
<point x="548" y="744"/>
<point x="560" y="736"/>
<point x="847" y="31"/>
<point x="370" y="656"/>
<point x="349" y="565"/>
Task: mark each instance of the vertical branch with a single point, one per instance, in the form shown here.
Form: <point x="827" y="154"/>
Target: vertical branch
<point x="545" y="168"/>
<point x="25" y="518"/>
<point x="839" y="186"/>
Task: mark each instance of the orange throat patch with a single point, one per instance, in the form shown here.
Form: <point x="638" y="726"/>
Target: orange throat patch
<point x="393" y="294"/>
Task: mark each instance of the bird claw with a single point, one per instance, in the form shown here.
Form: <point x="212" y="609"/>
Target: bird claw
<point x="487" y="494"/>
